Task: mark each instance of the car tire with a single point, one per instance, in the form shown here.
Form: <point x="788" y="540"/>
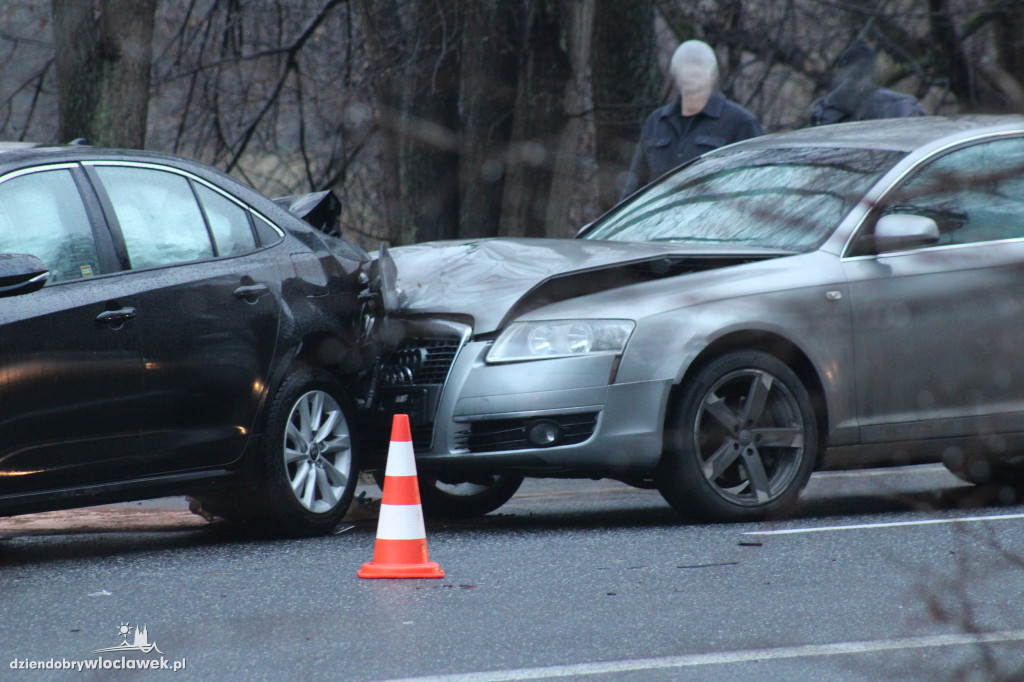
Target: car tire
<point x="741" y="442"/>
<point x="309" y="455"/>
<point x="450" y="498"/>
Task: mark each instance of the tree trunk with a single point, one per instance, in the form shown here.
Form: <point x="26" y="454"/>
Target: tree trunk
<point x="1010" y="50"/>
<point x="627" y="85"/>
<point x="950" y="58"/>
<point x="103" y="70"/>
<point x="417" y="97"/>
<point x="489" y="71"/>
<point x="385" y="47"/>
<point x="429" y="158"/>
<point x="573" y="195"/>
<point x="539" y="120"/>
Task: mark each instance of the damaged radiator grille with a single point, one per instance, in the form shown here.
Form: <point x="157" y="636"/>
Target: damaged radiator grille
<point x="420" y="362"/>
<point x="498" y="435"/>
<point x="412" y="378"/>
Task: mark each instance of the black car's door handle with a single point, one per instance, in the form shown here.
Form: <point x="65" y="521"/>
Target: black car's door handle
<point x="116" y="316"/>
<point x="250" y="292"/>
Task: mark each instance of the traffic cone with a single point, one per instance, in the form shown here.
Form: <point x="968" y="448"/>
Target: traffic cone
<point x="401" y="549"/>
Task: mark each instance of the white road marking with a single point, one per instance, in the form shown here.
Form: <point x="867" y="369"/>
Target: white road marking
<point x="744" y="656"/>
<point x="891" y="524"/>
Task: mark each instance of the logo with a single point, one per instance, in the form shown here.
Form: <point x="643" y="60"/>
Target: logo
<point x="133" y="641"/>
<point x="140" y="641"/>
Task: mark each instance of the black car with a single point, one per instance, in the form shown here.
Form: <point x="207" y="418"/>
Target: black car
<point x="167" y="330"/>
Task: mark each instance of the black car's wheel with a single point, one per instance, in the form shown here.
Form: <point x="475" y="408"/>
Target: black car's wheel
<point x="309" y="454"/>
<point x="461" y="497"/>
<point x="742" y="441"/>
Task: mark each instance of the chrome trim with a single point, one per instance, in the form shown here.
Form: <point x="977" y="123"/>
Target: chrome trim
<point x="64" y="165"/>
<point x="930" y="249"/>
<point x="188" y="174"/>
<point x="531" y="414"/>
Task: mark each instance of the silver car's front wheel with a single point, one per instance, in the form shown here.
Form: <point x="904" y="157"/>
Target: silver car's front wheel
<point x="743" y="441"/>
<point x="318" y="451"/>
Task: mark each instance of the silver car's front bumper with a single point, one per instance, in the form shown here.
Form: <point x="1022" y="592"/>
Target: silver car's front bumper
<point x="479" y="420"/>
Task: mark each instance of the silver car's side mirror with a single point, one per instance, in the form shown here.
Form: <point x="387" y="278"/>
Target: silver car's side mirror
<point x="900" y="231"/>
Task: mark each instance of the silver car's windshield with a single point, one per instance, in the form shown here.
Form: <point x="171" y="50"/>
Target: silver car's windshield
<point x="775" y="198"/>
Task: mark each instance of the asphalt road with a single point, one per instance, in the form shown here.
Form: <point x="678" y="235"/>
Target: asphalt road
<point x="895" y="574"/>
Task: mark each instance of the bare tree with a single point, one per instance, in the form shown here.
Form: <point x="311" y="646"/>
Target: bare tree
<point x="490" y="69"/>
<point x="450" y="118"/>
<point x="417" y="106"/>
<point x="626" y="84"/>
<point x="103" y="56"/>
<point x="546" y="70"/>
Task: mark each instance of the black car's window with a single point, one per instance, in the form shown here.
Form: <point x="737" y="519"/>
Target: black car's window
<point x="42" y="214"/>
<point x="974" y="194"/>
<point x="159" y="217"/>
<point x="776" y="198"/>
<point x="267" y="232"/>
<point x="229" y="223"/>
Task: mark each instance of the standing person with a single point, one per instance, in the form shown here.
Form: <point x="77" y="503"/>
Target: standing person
<point x="856" y="97"/>
<point x="698" y="120"/>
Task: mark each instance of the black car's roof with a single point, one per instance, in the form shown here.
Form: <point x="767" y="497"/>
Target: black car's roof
<point x="898" y="134"/>
<point x="15" y="155"/>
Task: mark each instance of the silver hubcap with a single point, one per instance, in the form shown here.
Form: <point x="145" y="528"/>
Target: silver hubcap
<point x="749" y="437"/>
<point x="317" y="451"/>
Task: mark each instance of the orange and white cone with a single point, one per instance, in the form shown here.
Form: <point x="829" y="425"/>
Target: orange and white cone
<point x="401" y="549"/>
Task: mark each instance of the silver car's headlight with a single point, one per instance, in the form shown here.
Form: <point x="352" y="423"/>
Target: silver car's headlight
<point x="560" y="339"/>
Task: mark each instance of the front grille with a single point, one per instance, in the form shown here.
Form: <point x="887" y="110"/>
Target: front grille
<point x="411" y="380"/>
<point x="496" y="435"/>
<point x="419" y="362"/>
<point x="422" y="437"/>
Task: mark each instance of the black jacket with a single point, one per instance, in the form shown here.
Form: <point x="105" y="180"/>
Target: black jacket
<point x="669" y="139"/>
<point x="877" y="103"/>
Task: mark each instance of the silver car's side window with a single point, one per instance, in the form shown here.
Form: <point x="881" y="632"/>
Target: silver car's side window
<point x="158" y="214"/>
<point x="42" y="214"/>
<point x="974" y="194"/>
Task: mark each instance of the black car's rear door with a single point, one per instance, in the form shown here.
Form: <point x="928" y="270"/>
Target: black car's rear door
<point x="208" y="311"/>
<point x="71" y="373"/>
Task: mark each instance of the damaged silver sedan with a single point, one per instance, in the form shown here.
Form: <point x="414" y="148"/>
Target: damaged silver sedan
<point x="841" y="296"/>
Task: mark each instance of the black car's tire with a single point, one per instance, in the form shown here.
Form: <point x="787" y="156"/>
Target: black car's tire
<point x="309" y="455"/>
<point x="741" y="441"/>
<point x="465" y="496"/>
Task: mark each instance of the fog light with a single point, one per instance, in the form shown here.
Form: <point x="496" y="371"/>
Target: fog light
<point x="544" y="433"/>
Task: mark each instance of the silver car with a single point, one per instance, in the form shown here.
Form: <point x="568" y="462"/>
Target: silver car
<point x="845" y="296"/>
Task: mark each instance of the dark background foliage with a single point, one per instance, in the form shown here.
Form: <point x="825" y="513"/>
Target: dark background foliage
<point x="436" y="119"/>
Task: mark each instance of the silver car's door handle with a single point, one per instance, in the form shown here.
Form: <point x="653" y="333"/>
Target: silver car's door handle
<point x="116" y="316"/>
<point x="251" y="292"/>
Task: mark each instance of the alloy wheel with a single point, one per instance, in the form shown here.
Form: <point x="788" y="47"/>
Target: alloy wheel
<point x="317" y="451"/>
<point x="749" y="437"/>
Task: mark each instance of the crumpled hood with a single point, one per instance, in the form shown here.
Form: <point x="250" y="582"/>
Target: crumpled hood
<point x="490" y="278"/>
